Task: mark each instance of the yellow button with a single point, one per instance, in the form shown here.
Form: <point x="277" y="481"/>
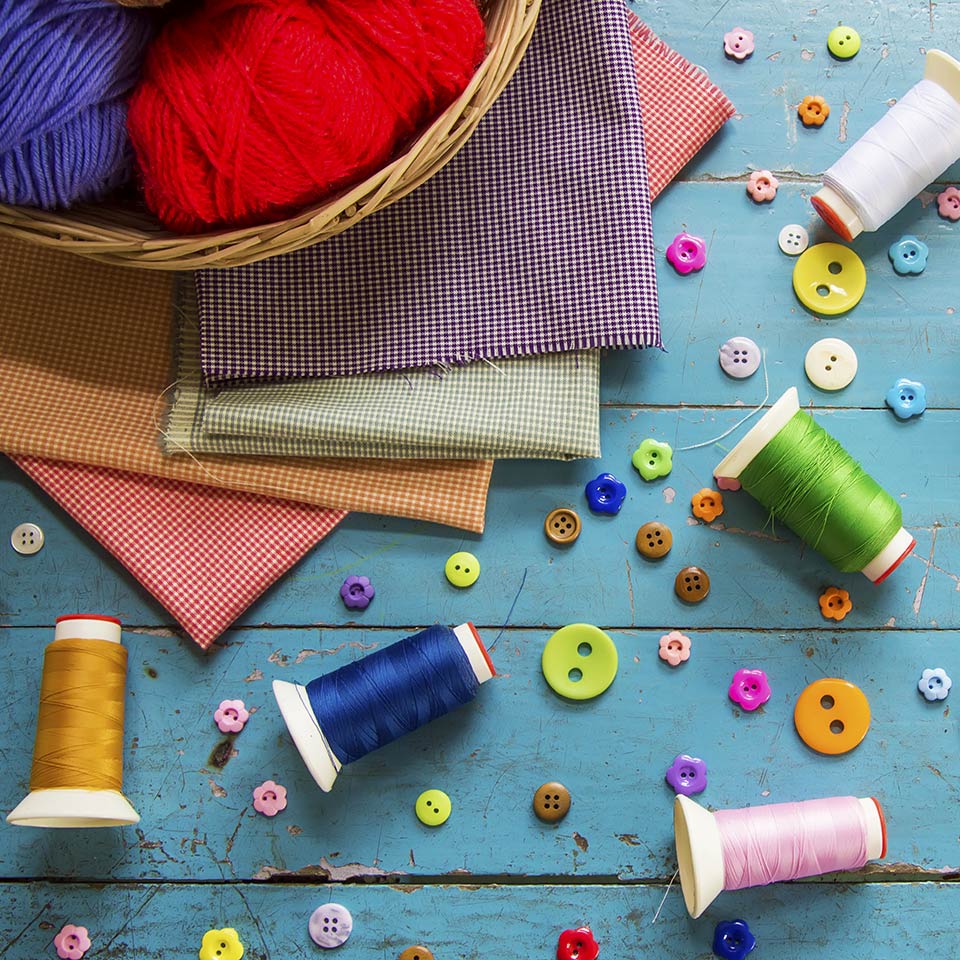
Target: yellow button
<point x="433" y="807"/>
<point x="843" y="42"/>
<point x="462" y="569"/>
<point x="829" y="278"/>
<point x="832" y="716"/>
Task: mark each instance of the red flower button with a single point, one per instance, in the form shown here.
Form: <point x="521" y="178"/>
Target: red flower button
<point x="577" y="945"/>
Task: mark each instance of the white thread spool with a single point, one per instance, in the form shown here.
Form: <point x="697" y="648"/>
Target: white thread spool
<point x="907" y="149"/>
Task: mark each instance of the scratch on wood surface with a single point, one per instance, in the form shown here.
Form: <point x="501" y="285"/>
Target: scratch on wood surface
<point x="27" y="926"/>
<point x="669" y="494"/>
<point x="630" y="591"/>
<point x="844" y="118"/>
<point x="581" y="842"/>
<point x="153" y="631"/>
<point x="256" y="675"/>
<point x="807" y="54"/>
<point x="325" y="870"/>
<point x="756" y="534"/>
<point x="216" y="789"/>
<point x="918" y="598"/>
<point x="937" y="773"/>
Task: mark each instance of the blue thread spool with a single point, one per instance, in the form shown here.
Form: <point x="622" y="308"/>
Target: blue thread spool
<point x="344" y="715"/>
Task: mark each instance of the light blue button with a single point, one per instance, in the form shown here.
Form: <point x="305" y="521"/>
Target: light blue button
<point x="908" y="255"/>
<point x="907" y="398"/>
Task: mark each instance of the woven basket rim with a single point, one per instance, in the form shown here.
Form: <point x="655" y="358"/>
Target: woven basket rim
<point x="127" y="237"/>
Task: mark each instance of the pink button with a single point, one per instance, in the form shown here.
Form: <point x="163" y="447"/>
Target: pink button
<point x="230" y="716"/>
<point x="687" y="253"/>
<point x="738" y="43"/>
<point x="674" y="648"/>
<point x="71" y="942"/>
<point x="762" y="186"/>
<point x="750" y="689"/>
<point x="269" y="798"/>
<point x="727" y="483"/>
<point x="948" y="203"/>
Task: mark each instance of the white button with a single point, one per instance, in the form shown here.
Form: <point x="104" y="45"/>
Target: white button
<point x="330" y="925"/>
<point x="27" y="539"/>
<point x="830" y="364"/>
<point x="793" y="239"/>
<point x="740" y="357"/>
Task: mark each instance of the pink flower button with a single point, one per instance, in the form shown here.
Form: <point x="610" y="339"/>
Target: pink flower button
<point x="269" y="798"/>
<point x="750" y="689"/>
<point x="727" y="483"/>
<point x="687" y="253"/>
<point x="948" y="203"/>
<point x="674" y="648"/>
<point x="230" y="716"/>
<point x="762" y="186"/>
<point x="738" y="43"/>
<point x="71" y="942"/>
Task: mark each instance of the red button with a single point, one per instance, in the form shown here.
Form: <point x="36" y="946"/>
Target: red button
<point x="577" y="945"/>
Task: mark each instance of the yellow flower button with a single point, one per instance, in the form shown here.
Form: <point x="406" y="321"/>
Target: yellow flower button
<point x="221" y="945"/>
<point x="433" y="808"/>
<point x="843" y="42"/>
<point x="462" y="569"/>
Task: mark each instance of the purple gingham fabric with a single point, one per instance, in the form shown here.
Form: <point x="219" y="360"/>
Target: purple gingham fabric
<point x="535" y="238"/>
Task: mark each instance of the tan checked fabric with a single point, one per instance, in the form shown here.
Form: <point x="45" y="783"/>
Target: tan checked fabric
<point x="85" y="354"/>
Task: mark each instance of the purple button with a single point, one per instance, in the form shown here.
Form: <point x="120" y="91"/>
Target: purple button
<point x="687" y="253"/>
<point x="740" y="357"/>
<point x="330" y="925"/>
<point x="750" y="689"/>
<point x="357" y="592"/>
<point x="687" y="775"/>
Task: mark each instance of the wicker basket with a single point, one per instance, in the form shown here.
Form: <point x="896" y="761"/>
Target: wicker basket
<point x="130" y="237"/>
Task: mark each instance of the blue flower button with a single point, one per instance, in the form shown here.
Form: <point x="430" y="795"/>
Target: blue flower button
<point x="687" y="775"/>
<point x="908" y="254"/>
<point x="732" y="940"/>
<point x="907" y="398"/>
<point x="605" y="494"/>
<point x="934" y="684"/>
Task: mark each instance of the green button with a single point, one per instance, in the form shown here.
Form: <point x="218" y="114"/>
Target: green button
<point x="843" y="42"/>
<point x="579" y="661"/>
<point x="433" y="807"/>
<point x="462" y="569"/>
<point x="653" y="459"/>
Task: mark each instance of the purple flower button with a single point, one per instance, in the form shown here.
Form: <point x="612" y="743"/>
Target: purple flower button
<point x="357" y="592"/>
<point x="687" y="775"/>
<point x="687" y="253"/>
<point x="750" y="689"/>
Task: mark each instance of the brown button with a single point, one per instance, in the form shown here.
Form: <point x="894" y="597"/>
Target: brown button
<point x="562" y="526"/>
<point x="416" y="953"/>
<point x="654" y="540"/>
<point x="551" y="802"/>
<point x="692" y="584"/>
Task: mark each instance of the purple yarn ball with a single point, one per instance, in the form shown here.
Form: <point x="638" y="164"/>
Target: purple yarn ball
<point x="66" y="67"/>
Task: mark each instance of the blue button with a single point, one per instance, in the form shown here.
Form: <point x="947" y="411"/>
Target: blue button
<point x="605" y="494"/>
<point x="907" y="398"/>
<point x="908" y="255"/>
<point x="732" y="940"/>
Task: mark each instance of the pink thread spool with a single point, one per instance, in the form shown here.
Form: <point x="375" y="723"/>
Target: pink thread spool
<point x="754" y="846"/>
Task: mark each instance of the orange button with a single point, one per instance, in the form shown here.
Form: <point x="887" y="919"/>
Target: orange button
<point x="832" y="716"/>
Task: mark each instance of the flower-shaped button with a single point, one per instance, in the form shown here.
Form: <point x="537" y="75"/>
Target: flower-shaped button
<point x="908" y="255"/>
<point x="727" y="483"/>
<point x="935" y="684"/>
<point x="738" y="43"/>
<point x="907" y="398"/>
<point x="577" y="944"/>
<point x="948" y="203"/>
<point x="835" y="603"/>
<point x="813" y="111"/>
<point x="357" y="592"/>
<point x="605" y="493"/>
<point x="762" y="186"/>
<point x="230" y="716"/>
<point x="269" y="798"/>
<point x="687" y="253"/>
<point x="687" y="775"/>
<point x="749" y="689"/>
<point x="653" y="458"/>
<point x="71" y="942"/>
<point x="732" y="940"/>
<point x="707" y="504"/>
<point x="221" y="945"/>
<point x="674" y="648"/>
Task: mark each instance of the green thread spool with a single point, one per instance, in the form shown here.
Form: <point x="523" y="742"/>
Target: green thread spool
<point x="805" y="478"/>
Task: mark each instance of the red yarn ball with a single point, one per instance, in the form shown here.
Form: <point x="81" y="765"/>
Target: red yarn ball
<point x="250" y="110"/>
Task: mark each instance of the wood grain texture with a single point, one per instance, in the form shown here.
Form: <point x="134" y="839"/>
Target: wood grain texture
<point x="202" y="857"/>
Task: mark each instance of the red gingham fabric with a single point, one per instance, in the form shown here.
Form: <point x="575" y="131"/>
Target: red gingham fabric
<point x="205" y="554"/>
<point x="681" y="108"/>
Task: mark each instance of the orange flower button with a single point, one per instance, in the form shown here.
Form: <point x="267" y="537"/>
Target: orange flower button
<point x="707" y="504"/>
<point x="813" y="111"/>
<point x="835" y="603"/>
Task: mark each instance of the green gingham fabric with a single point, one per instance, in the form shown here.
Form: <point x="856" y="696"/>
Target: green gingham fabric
<point x="544" y="407"/>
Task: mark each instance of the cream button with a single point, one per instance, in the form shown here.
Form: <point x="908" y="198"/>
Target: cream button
<point x="830" y="364"/>
<point x="27" y="538"/>
<point x="793" y="239"/>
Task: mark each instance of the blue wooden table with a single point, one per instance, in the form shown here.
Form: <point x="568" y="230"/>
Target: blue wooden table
<point x="495" y="881"/>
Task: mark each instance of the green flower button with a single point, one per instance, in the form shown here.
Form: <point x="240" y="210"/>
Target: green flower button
<point x="579" y="661"/>
<point x="653" y="459"/>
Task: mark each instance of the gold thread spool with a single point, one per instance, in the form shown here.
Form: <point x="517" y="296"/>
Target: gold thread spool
<point x="77" y="773"/>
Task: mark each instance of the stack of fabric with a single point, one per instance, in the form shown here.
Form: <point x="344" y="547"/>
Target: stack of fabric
<point x="381" y="371"/>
